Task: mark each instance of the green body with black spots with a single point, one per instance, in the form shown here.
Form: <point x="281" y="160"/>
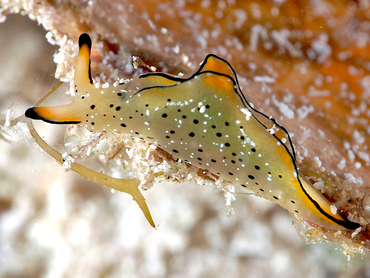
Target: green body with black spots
<point x="205" y="121"/>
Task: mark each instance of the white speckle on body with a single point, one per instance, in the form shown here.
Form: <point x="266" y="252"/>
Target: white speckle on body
<point x="247" y="113"/>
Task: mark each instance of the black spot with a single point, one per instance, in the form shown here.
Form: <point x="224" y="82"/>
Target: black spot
<point x="191" y="134"/>
<point x="118" y="108"/>
<point x="253" y="150"/>
<point x="175" y="151"/>
<point x="130" y="117"/>
<point x="200" y="150"/>
<point x="219" y="134"/>
<point x="292" y="201"/>
<point x="92" y="123"/>
<point x="123" y="125"/>
<point x="146" y="105"/>
<point x="119" y="94"/>
<point x="256" y="183"/>
<point x="262" y="190"/>
<point x="231" y="174"/>
<point x="241" y="127"/>
<point x="200" y="159"/>
<point x="296" y="211"/>
<point x="92" y="107"/>
<point x="213" y="160"/>
<point x="251" y="177"/>
<point x="169" y="99"/>
<point x="243" y="185"/>
<point x="87" y="115"/>
<point x="111" y="105"/>
<point x="172" y="132"/>
<point x="276" y="198"/>
<point x="234" y="154"/>
<point x="164" y="115"/>
<point x="227" y="123"/>
<point x="184" y="116"/>
<point x="83" y="97"/>
<point x="256" y="167"/>
<point x="227" y="144"/>
<point x="280" y="176"/>
<point x="136" y="132"/>
<point x="213" y="126"/>
<point x="207" y="106"/>
<point x="242" y="137"/>
<point x="232" y="161"/>
<point x="168" y="137"/>
<point x="196" y="121"/>
<point x="178" y="110"/>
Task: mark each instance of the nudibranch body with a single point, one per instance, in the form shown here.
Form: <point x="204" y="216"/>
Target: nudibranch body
<point x="203" y="120"/>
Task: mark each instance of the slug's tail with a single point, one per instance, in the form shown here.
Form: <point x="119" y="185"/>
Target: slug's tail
<point x="322" y="212"/>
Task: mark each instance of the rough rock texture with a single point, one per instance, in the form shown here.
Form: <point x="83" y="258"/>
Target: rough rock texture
<point x="305" y="63"/>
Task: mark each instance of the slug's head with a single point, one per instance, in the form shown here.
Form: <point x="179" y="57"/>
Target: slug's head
<point x="74" y="112"/>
